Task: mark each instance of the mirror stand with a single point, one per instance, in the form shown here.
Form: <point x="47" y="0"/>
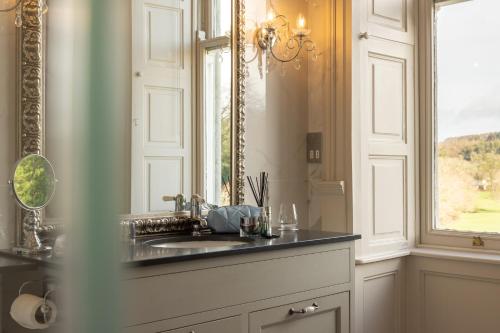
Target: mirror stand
<point x="31" y="243"/>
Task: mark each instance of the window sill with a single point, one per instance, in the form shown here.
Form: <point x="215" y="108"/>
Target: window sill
<point x="457" y="255"/>
<point x="436" y="253"/>
<point x="382" y="257"/>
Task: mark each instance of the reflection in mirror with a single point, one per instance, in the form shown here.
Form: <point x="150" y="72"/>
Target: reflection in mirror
<point x="181" y="103"/>
<point x="176" y="127"/>
<point x="288" y="86"/>
<point x="217" y="125"/>
<point x="215" y="60"/>
<point x="33" y="182"/>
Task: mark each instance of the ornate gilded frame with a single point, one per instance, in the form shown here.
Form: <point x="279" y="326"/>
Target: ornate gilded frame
<point x="30" y="105"/>
<point x="239" y="103"/>
<point x="30" y="110"/>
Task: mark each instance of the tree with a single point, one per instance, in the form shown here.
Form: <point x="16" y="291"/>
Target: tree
<point x="487" y="168"/>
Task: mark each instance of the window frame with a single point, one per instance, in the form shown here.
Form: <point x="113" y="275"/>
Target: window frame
<point x="428" y="235"/>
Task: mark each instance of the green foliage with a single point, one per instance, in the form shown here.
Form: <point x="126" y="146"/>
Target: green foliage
<point x="226" y="144"/>
<point x="467" y="146"/>
<point x="468" y="183"/>
<point x="226" y="154"/>
<point x="33" y="181"/>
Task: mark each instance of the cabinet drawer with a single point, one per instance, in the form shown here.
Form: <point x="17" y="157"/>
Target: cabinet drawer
<point x="227" y="325"/>
<point x="162" y="297"/>
<point x="328" y="314"/>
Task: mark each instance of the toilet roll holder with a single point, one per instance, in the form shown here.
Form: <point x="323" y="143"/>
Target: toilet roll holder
<point x="45" y="310"/>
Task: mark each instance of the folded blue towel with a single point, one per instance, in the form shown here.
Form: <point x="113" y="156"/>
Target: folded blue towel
<point x="227" y="219"/>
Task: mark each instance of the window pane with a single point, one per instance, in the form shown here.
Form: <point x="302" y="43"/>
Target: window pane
<point x="217" y="127"/>
<point x="222" y="17"/>
<point x="467" y="131"/>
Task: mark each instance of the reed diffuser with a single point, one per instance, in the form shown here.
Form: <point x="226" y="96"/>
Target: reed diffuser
<point x="260" y="190"/>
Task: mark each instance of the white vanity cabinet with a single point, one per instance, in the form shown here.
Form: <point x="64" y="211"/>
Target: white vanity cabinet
<point x="245" y="293"/>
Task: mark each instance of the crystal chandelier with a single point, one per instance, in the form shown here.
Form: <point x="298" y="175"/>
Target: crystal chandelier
<point x="279" y="42"/>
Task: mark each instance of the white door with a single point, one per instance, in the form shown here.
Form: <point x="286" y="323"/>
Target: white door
<point x="161" y="103"/>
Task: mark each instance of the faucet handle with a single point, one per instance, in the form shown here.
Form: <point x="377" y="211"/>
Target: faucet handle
<point x="180" y="201"/>
<point x="197" y="198"/>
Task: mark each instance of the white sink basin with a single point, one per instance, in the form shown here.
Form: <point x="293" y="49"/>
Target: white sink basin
<point x="201" y="242"/>
<point x="198" y="244"/>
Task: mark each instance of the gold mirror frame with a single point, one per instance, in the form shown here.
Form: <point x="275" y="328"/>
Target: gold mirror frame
<point x="239" y="103"/>
<point x="30" y="104"/>
<point x="30" y="109"/>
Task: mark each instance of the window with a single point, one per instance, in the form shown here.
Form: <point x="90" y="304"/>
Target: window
<point x="463" y="194"/>
<point x="215" y="73"/>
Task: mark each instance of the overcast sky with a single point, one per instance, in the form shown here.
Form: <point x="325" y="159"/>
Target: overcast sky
<point x="468" y="68"/>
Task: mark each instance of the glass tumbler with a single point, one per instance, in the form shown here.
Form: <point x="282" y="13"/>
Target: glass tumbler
<point x="288" y="218"/>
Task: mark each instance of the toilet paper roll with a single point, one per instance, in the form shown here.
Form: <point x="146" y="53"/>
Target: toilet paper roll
<point x="26" y="310"/>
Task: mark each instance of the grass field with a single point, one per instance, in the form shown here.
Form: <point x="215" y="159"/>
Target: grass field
<point x="485" y="218"/>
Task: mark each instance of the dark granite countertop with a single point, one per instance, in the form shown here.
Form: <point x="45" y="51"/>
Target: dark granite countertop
<point x="141" y="253"/>
<point x="14" y="264"/>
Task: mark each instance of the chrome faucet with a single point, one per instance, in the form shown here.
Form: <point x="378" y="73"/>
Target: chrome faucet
<point x="196" y="214"/>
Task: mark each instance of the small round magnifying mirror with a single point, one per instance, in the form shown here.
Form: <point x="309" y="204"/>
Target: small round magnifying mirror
<point x="33" y="182"/>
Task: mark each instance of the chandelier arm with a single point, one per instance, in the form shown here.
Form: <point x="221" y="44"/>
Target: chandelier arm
<point x="290" y="42"/>
<point x="283" y="19"/>
<point x="4" y="10"/>
<point x="253" y="57"/>
<point x="311" y="48"/>
<point x="286" y="60"/>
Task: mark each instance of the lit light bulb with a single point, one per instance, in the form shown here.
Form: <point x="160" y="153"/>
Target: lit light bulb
<point x="270" y="14"/>
<point x="301" y="21"/>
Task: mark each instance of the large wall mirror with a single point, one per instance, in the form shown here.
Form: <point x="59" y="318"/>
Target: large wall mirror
<point x="219" y="90"/>
<point x="177" y="129"/>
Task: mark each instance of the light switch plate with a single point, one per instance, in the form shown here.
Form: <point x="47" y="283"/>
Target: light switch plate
<point x="314" y="147"/>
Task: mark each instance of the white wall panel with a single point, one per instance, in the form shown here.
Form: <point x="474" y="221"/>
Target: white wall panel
<point x="164" y="116"/>
<point x="379" y="292"/>
<point x="453" y="296"/>
<point x="446" y="295"/>
<point x="380" y="297"/>
<point x="164" y="35"/>
<point x="390" y="13"/>
<point x="388" y="96"/>
<point x="389" y="204"/>
<point x="163" y="177"/>
<point x="389" y="19"/>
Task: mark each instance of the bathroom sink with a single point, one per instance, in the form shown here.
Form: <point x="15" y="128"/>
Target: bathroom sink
<point x="193" y="242"/>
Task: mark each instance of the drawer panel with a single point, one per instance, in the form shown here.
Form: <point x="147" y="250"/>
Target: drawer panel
<point x="229" y="325"/>
<point x="149" y="299"/>
<point x="328" y="314"/>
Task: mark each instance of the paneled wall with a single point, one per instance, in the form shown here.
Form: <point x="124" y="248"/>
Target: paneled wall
<point x="453" y="296"/>
<point x="380" y="297"/>
<point x="383" y="134"/>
